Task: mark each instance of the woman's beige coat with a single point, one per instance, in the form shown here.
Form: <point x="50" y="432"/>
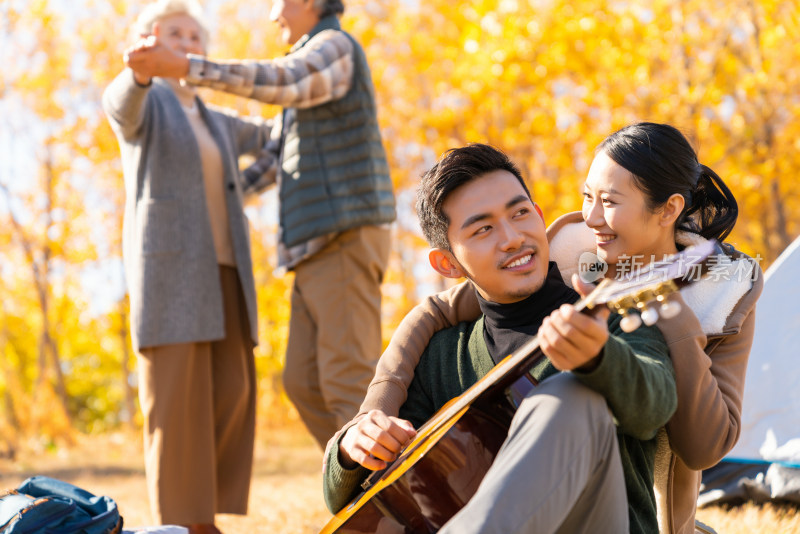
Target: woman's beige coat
<point x="709" y="347"/>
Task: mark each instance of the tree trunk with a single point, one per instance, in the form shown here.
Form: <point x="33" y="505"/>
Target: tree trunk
<point x="49" y="342"/>
<point x="782" y="237"/>
<point x="11" y="432"/>
<point x="779" y="236"/>
<point x="130" y="406"/>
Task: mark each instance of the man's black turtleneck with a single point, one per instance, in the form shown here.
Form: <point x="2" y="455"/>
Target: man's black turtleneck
<point x="508" y="326"/>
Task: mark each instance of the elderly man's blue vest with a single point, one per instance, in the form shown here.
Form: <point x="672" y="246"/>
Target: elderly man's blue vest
<point x="334" y="170"/>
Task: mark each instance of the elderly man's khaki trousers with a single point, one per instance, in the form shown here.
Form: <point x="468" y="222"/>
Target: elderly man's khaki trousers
<point x="335" y="329"/>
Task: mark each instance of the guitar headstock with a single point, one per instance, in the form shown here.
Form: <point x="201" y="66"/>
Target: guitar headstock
<point x="643" y="295"/>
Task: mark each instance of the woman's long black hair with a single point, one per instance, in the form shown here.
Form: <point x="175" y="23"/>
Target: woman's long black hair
<point x="663" y="163"/>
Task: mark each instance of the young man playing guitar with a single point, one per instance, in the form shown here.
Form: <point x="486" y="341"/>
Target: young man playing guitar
<point x="579" y="452"/>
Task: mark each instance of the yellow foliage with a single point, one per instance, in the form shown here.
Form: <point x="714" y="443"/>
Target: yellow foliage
<point x="544" y="81"/>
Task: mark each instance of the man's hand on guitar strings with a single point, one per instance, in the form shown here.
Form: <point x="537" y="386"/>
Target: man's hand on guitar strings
<point x="573" y="340"/>
<point x="375" y="441"/>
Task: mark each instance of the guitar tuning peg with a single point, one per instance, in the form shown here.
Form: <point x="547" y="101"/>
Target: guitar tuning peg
<point x="630" y="322"/>
<point x="649" y="316"/>
<point x="669" y="309"/>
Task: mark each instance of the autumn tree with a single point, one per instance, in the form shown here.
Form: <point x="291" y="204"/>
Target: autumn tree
<point x="545" y="81"/>
<point x="55" y="238"/>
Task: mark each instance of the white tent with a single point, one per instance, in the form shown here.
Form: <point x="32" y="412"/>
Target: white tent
<point x="765" y="463"/>
<point x="771" y="408"/>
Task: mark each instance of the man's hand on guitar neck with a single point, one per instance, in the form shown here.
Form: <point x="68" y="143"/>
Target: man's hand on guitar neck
<point x="573" y="340"/>
<point x="374" y="441"/>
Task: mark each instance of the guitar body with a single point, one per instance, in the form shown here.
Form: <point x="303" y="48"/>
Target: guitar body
<point x="421" y="492"/>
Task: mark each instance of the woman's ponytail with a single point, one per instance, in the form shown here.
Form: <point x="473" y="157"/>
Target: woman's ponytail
<point x="713" y="210"/>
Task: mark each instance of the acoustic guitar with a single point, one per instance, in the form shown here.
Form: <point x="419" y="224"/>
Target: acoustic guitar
<point x="439" y="471"/>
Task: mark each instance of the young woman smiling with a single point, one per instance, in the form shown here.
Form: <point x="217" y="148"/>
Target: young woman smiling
<point x="646" y="196"/>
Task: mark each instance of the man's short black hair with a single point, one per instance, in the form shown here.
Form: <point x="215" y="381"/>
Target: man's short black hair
<point x="457" y="167"/>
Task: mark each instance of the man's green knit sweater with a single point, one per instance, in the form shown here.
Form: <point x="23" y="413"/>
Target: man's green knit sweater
<point x="635" y="376"/>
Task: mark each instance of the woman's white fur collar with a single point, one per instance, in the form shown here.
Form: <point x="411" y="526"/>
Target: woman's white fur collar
<point x="713" y="298"/>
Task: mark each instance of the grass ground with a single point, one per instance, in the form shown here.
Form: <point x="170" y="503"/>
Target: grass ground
<point x="286" y="494"/>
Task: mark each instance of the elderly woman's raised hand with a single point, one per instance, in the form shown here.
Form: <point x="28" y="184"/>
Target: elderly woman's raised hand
<point x="149" y="57"/>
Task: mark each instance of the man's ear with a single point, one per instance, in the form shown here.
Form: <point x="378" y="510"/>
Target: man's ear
<point x="444" y="263"/>
<point x="671" y="209"/>
<point x="538" y="210"/>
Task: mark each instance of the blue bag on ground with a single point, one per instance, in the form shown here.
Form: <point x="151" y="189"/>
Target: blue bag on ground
<point x="44" y="505"/>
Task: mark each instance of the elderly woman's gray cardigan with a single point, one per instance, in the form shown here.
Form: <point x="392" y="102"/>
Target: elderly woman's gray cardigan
<point x="168" y="249"/>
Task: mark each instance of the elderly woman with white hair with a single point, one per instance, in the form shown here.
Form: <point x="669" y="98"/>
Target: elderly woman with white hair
<point x="190" y="279"/>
